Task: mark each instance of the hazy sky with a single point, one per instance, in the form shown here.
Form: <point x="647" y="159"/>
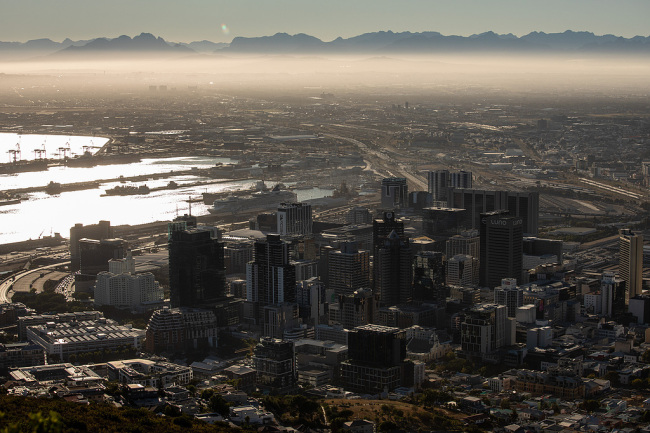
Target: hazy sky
<point x="220" y="20"/>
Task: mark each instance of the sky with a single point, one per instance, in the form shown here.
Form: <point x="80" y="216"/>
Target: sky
<point x="220" y="20"/>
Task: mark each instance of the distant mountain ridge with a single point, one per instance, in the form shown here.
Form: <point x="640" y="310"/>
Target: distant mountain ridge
<point x="144" y="42"/>
<point x="390" y="42"/>
<point x="382" y="42"/>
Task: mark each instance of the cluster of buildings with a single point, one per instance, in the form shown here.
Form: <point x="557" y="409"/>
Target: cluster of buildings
<point x="360" y="308"/>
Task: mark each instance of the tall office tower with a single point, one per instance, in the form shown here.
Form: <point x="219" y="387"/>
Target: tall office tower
<point x="438" y="181"/>
<point x="393" y="272"/>
<point x="510" y="295"/>
<point x="197" y="273"/>
<point x="440" y="222"/>
<point x="311" y="297"/>
<point x="377" y="345"/>
<point x="274" y="361"/>
<point x="102" y="230"/>
<point x="630" y="266"/>
<point x="462" y="270"/>
<point x="294" y="219"/>
<point x="359" y="215"/>
<point x="429" y="277"/>
<point x="376" y="360"/>
<point x="461" y="179"/>
<point x="270" y="277"/>
<point x="484" y="329"/>
<point x="501" y="248"/>
<point x="394" y="193"/>
<point x="94" y="255"/>
<point x="236" y="256"/>
<point x="354" y="309"/>
<point x="348" y="268"/>
<point x="520" y="204"/>
<point x="613" y="295"/>
<point x="466" y="243"/>
<point x="382" y="228"/>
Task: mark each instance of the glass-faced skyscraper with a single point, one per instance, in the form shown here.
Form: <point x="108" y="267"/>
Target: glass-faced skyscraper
<point x="197" y="275"/>
<point x="270" y="278"/>
<point x="501" y="248"/>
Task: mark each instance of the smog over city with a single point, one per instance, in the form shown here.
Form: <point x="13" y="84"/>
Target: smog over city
<point x="374" y="216"/>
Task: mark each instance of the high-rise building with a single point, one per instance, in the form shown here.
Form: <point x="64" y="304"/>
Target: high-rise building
<point x="484" y="329"/>
<point x="236" y="256"/>
<point x="350" y="310"/>
<point x="510" y="295"/>
<point x="520" y="204"/>
<point x="382" y="228"/>
<point x="394" y="193"/>
<point x="348" y="268"/>
<point x="120" y="287"/>
<point x="438" y="182"/>
<point x="441" y="222"/>
<point x="466" y="242"/>
<point x="102" y="230"/>
<point x="501" y="248"/>
<point x="359" y="215"/>
<point x="382" y="346"/>
<point x="429" y="277"/>
<point x="197" y="275"/>
<point x="460" y="179"/>
<point x="270" y="277"/>
<point x="376" y="360"/>
<point x="274" y="361"/>
<point x="630" y="266"/>
<point x="613" y="295"/>
<point x="393" y="272"/>
<point x="311" y="297"/>
<point x="294" y="219"/>
<point x="462" y="270"/>
<point x="94" y="254"/>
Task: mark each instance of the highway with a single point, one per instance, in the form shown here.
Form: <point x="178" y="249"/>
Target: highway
<point x="382" y="158"/>
<point x="6" y="284"/>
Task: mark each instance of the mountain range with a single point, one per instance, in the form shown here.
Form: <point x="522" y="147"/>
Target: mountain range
<point x="382" y="42"/>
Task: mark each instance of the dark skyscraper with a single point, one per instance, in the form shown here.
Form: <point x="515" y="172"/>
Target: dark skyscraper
<point x="102" y="230"/>
<point x="197" y="275"/>
<point x="381" y="228"/>
<point x="393" y="270"/>
<point x="394" y="193"/>
<point x="520" y="204"/>
<point x="270" y="278"/>
<point x="429" y="277"/>
<point x="501" y="248"/>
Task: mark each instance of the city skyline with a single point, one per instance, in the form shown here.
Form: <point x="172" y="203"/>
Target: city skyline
<point x="222" y="21"/>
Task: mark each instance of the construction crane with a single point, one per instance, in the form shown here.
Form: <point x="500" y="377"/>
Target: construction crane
<point x="42" y="154"/>
<point x="63" y="151"/>
<point x="15" y="152"/>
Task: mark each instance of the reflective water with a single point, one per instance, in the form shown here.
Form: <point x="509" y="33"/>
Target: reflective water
<point x="43" y="214"/>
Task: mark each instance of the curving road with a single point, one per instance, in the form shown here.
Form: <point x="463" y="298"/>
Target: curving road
<point x="6" y="284"/>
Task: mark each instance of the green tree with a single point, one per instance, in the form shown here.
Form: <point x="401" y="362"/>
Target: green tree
<point x="38" y="423"/>
<point x="218" y="404"/>
<point x="590" y="405"/>
<point x="646" y="356"/>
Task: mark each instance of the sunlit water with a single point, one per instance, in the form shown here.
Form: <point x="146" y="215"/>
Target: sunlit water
<point x="43" y="214"/>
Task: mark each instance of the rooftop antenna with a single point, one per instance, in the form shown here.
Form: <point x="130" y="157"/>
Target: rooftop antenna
<point x="189" y="202"/>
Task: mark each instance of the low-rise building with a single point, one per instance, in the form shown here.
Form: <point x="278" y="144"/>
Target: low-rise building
<point x="60" y="340"/>
<point x="148" y="373"/>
